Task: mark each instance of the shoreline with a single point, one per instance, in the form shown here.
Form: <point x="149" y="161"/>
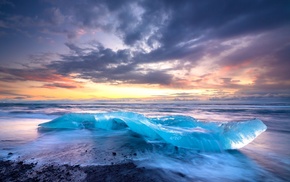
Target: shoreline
<point x="21" y="171"/>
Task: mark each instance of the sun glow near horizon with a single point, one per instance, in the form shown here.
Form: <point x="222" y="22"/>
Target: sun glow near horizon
<point x="90" y="90"/>
<point x="155" y="51"/>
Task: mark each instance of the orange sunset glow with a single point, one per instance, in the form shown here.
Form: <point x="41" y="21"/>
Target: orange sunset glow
<point x="63" y="53"/>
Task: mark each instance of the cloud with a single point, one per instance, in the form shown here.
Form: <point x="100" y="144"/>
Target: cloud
<point x="60" y="85"/>
<point x="50" y="77"/>
<point x="161" y="27"/>
<point x="241" y="45"/>
<point x="167" y="29"/>
<point x="101" y="64"/>
<point x="278" y="67"/>
<point x="84" y="60"/>
<point x="38" y="74"/>
<point x="12" y="94"/>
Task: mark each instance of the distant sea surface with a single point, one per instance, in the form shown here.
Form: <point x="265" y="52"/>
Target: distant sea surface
<point x="267" y="158"/>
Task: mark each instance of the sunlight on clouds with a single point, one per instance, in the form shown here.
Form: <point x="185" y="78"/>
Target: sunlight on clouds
<point x="161" y="65"/>
<point x="107" y="39"/>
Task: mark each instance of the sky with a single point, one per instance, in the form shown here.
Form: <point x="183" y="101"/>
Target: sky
<point x="144" y="49"/>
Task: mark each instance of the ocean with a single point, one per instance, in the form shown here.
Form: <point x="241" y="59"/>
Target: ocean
<point x="267" y="158"/>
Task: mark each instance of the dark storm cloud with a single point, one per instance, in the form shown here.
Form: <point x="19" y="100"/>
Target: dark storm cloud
<point x="50" y="78"/>
<point x="261" y="46"/>
<point x="215" y="19"/>
<point x="132" y="77"/>
<point x="167" y="24"/>
<point x="97" y="58"/>
<point x="28" y="74"/>
<point x="182" y="29"/>
<point x="170" y="22"/>
<point x="155" y="31"/>
<point x="101" y="64"/>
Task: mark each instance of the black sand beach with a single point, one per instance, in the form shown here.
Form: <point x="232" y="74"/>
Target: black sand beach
<point x="21" y="171"/>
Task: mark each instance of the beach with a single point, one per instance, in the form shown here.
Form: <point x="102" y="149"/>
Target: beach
<point x="21" y="171"/>
<point x="145" y="90"/>
<point x="30" y="154"/>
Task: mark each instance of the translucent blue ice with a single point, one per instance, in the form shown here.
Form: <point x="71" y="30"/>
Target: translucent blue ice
<point x="70" y="121"/>
<point x="180" y="131"/>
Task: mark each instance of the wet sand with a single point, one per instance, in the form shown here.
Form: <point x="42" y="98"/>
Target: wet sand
<point x="21" y="171"/>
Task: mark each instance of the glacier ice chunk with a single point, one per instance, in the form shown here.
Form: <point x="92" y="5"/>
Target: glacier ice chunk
<point x="213" y="136"/>
<point x="180" y="131"/>
<point x="238" y="134"/>
<point x="70" y="121"/>
<point x="108" y="121"/>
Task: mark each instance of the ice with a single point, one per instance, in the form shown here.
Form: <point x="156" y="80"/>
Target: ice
<point x="70" y="121"/>
<point x="213" y="136"/>
<point x="238" y="134"/>
<point x="180" y="131"/>
<point x="108" y="121"/>
<point x="141" y="125"/>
